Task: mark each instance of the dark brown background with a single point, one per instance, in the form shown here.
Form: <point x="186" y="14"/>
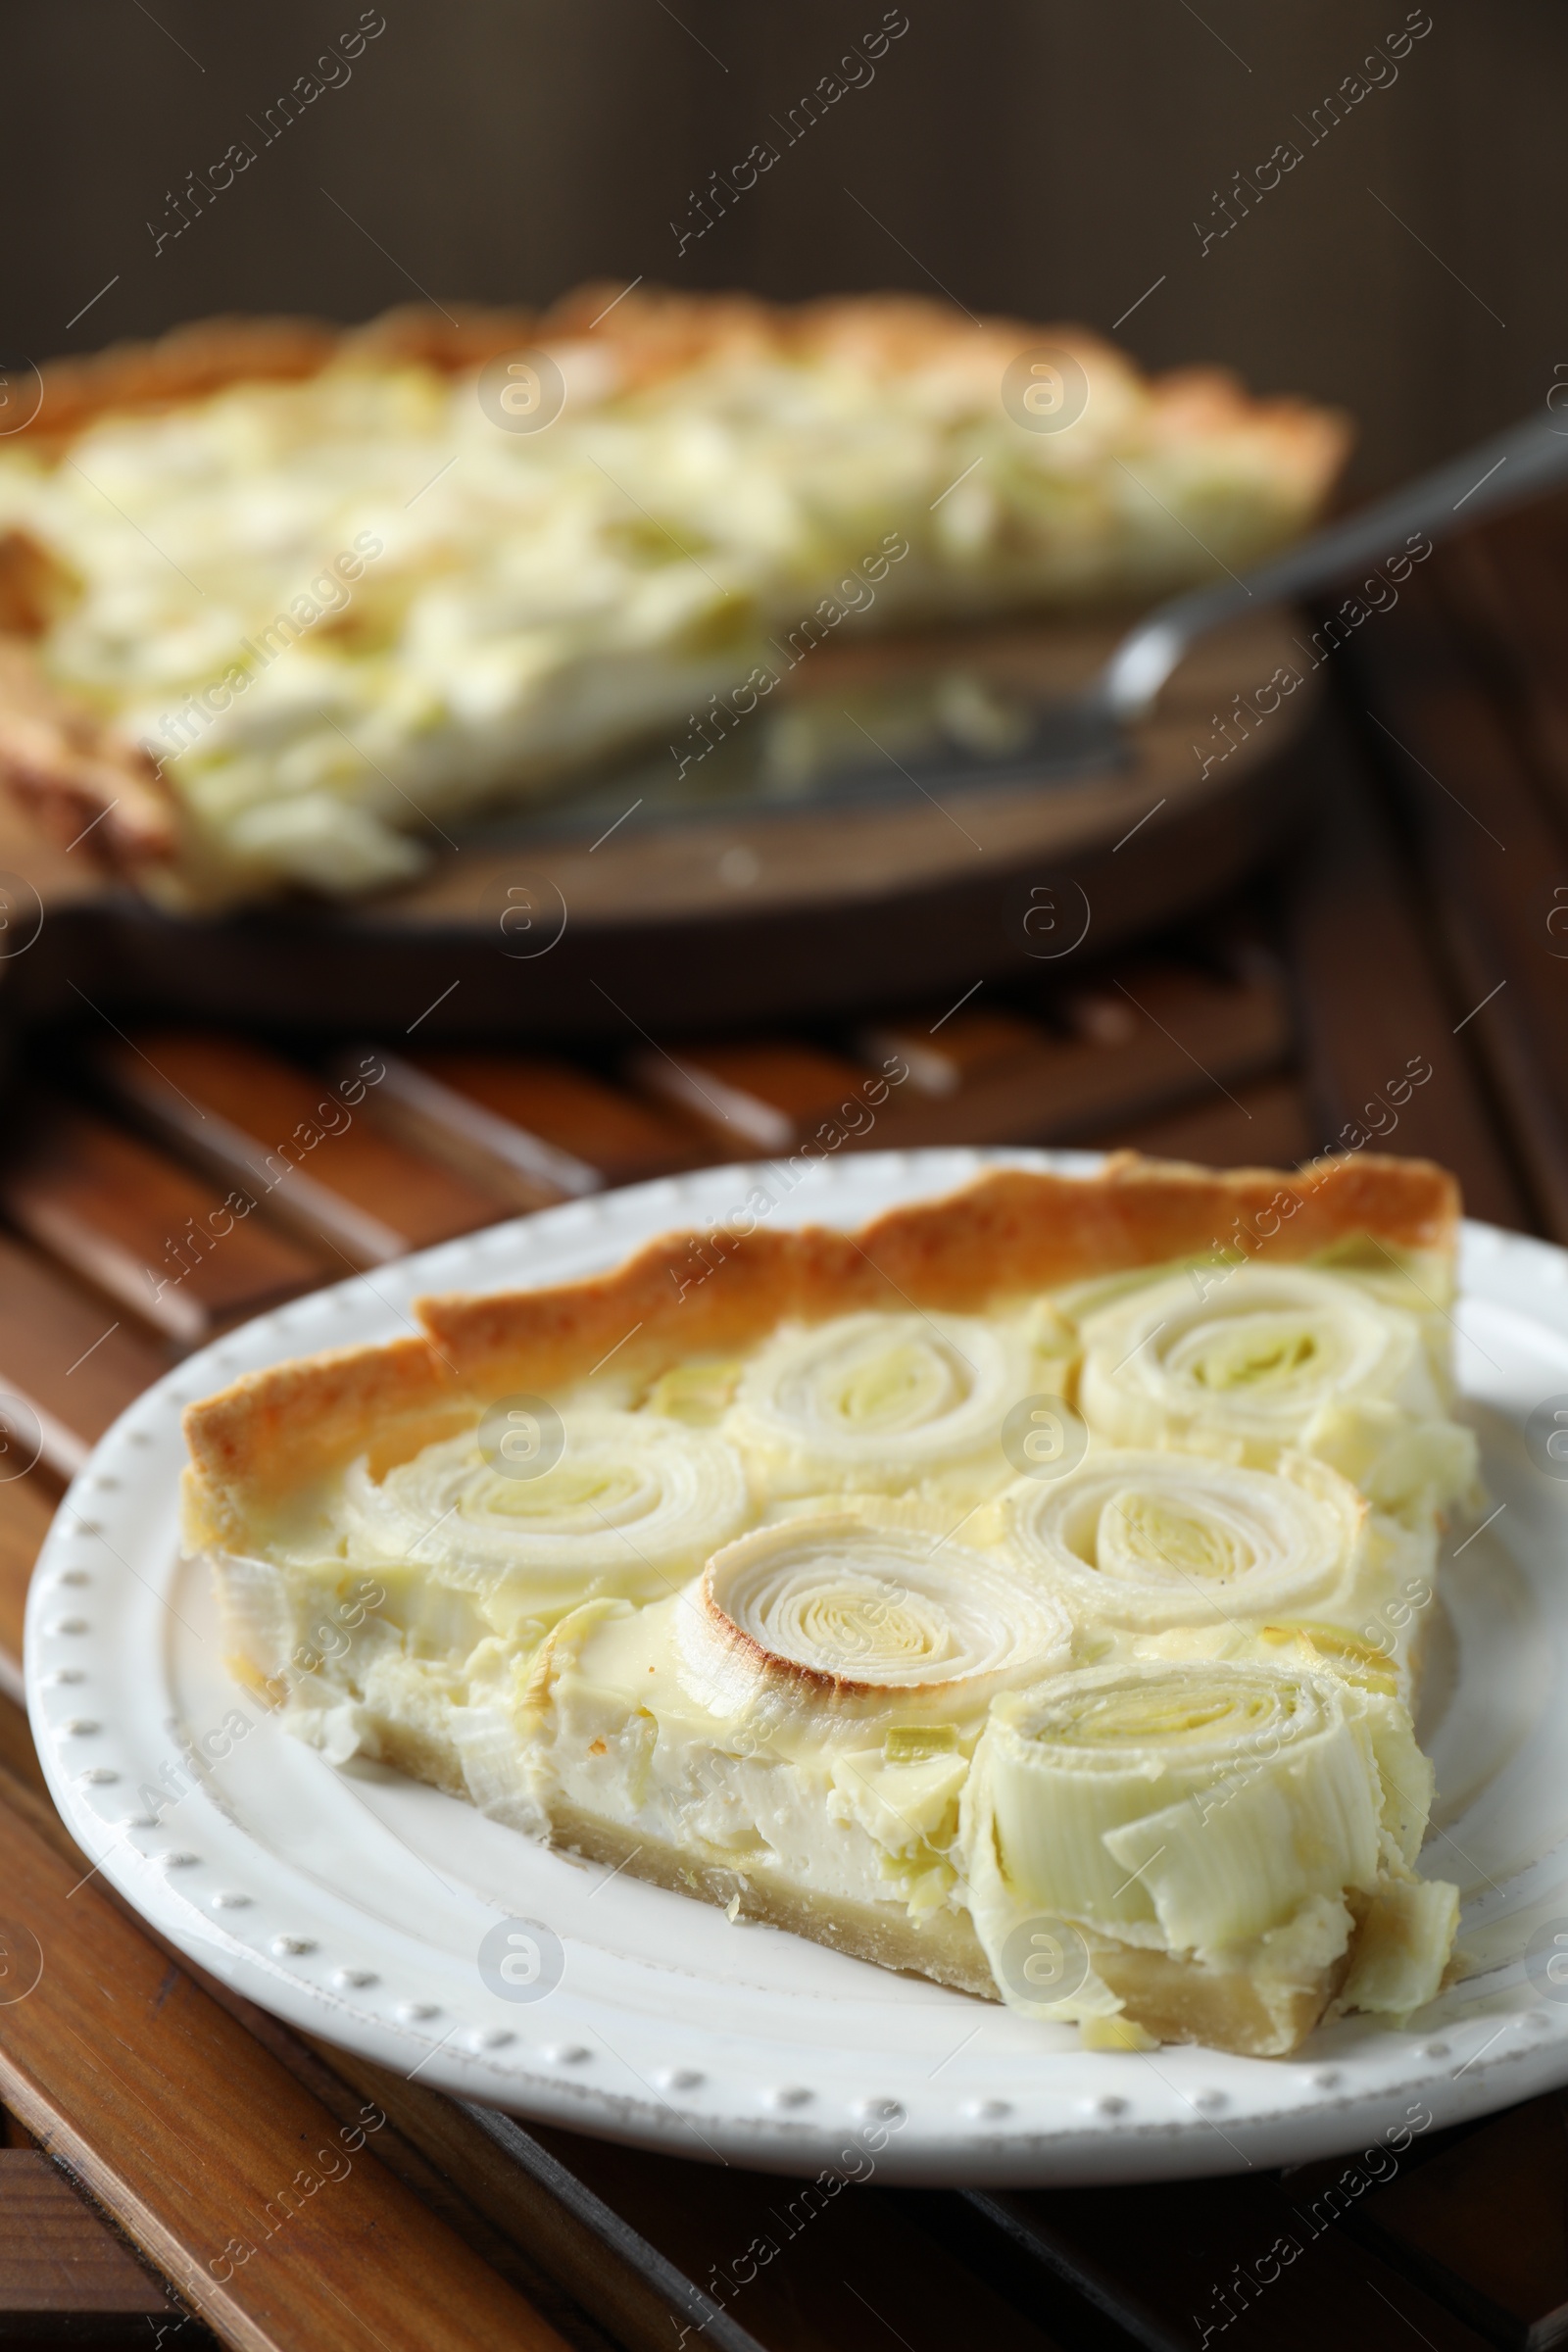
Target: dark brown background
<point x="1042" y="158"/>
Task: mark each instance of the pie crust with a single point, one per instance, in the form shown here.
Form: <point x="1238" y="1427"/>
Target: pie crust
<point x="1011" y="1233"/>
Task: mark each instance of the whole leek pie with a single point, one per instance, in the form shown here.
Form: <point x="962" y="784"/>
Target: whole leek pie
<point x="278" y="601"/>
<point x="1028" y="1591"/>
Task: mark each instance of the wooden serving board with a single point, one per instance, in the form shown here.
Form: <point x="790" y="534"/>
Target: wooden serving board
<point x="565" y="920"/>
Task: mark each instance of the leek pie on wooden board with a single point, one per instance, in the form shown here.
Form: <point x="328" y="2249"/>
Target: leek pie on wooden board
<point x="1027" y="1591"/>
<point x="276" y="599"/>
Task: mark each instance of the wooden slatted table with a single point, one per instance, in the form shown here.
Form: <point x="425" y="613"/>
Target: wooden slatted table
<point x="1421" y="915"/>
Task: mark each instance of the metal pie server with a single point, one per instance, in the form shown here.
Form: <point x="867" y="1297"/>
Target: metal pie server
<point x="876" y="754"/>
<point x="1090" y="729"/>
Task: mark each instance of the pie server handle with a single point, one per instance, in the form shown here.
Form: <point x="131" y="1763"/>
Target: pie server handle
<point x="1503" y="472"/>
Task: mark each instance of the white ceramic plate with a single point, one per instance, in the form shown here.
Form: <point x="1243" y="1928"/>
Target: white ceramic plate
<point x="356" y="1903"/>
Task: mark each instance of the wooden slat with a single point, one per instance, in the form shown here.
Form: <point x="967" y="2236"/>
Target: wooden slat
<point x="1189" y="2263"/>
<point x="59" y="2259"/>
<point x="620" y="2297"/>
<point x="687" y="2307"/>
<point x="23" y="1789"/>
<point x="512" y="1162"/>
<point x="1374" y="996"/>
<point x="447" y="2192"/>
<point x="617" y="1135"/>
<point x="847" y="2272"/>
<point x="243" y="1111"/>
<point x="1268" y="1124"/>
<point x="757" y="1097"/>
<point x="1491" y="852"/>
<point x="1161" y="1029"/>
<point x="27" y="1507"/>
<point x="315" y="2071"/>
<point x="1484" y="2228"/>
<point x="67" y="1354"/>
<point x="946" y="1051"/>
<point x="1505" y="589"/>
<point x="22" y="1778"/>
<point x="461" y="2180"/>
<point x="1187" y="1035"/>
<point x="702" y="2218"/>
<point x="1096" y="1013"/>
<point x="159" y="1240"/>
<point x="189" y="2132"/>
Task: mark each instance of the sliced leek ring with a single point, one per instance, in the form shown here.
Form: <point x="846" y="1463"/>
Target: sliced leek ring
<point x="1152" y="1540"/>
<point x="879" y="1401"/>
<point x="1188" y="1808"/>
<point x="1245" y="1361"/>
<point x="840" y="1607"/>
<point x="631" y="1509"/>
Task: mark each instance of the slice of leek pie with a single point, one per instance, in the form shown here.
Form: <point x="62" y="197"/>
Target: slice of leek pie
<point x="279" y="599"/>
<point x="780" y="1604"/>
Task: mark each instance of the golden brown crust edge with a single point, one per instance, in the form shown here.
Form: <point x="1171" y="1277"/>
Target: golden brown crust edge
<point x="212" y="354"/>
<point x="75" y="773"/>
<point x="1010" y="1232"/>
<point x="653" y="333"/>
